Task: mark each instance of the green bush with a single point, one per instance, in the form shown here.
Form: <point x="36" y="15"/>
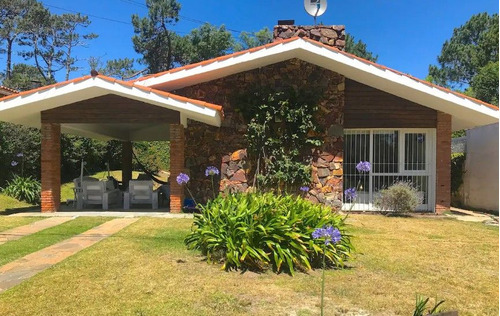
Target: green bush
<point x="457" y="171"/>
<point x="23" y="189"/>
<point x="400" y="197"/>
<point x="258" y="231"/>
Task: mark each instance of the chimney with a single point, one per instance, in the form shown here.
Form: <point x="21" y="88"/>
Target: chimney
<point x="333" y="35"/>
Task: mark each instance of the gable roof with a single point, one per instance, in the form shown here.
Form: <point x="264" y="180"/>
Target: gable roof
<point x="6" y="91"/>
<point x="25" y="107"/>
<point x="466" y="112"/>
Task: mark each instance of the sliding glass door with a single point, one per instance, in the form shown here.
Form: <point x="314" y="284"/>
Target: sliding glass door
<point x="395" y="155"/>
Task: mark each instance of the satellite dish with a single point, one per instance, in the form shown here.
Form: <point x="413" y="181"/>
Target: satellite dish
<point x="315" y="7"/>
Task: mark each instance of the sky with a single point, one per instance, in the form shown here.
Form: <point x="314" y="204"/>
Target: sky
<point x="406" y="35"/>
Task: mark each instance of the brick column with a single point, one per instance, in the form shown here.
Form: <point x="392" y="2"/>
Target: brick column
<point x="126" y="163"/>
<point x="176" y="166"/>
<point x="443" y="162"/>
<point x="51" y="167"/>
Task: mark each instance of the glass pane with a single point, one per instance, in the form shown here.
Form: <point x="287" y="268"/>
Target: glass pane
<point x="415" y="151"/>
<point x="385" y="151"/>
<point x="356" y="149"/>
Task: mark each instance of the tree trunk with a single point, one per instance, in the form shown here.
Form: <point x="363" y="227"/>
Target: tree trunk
<point x="9" y="58"/>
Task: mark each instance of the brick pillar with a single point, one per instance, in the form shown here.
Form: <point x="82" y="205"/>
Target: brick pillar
<point x="51" y="167"/>
<point x="176" y="166"/>
<point x="443" y="162"/>
<point x="126" y="163"/>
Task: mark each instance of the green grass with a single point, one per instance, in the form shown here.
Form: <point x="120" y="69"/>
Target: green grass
<point x="145" y="269"/>
<point x="7" y="202"/>
<point x="16" y="249"/>
<point x="11" y="222"/>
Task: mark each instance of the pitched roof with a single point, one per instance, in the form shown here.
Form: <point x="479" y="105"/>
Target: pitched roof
<point x="7" y="91"/>
<point x="25" y="107"/>
<point x="472" y="112"/>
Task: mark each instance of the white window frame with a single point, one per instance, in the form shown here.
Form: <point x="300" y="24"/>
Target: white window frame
<point x="430" y="156"/>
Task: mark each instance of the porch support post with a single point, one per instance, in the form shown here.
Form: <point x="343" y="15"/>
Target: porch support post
<point x="176" y="166"/>
<point x="443" y="162"/>
<point x="51" y="167"/>
<point x="126" y="163"/>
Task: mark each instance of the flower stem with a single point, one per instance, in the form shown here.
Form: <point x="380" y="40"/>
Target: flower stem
<point x="323" y="280"/>
<point x="213" y="188"/>
<point x="191" y="196"/>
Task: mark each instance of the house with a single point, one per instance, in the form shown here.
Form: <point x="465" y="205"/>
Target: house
<point x="399" y="123"/>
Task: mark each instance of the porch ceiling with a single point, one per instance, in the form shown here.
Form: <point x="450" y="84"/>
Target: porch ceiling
<point x="106" y="108"/>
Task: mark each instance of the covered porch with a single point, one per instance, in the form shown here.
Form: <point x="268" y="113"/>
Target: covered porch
<point x="105" y="108"/>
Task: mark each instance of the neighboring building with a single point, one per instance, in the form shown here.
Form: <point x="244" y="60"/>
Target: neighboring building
<point x="480" y="179"/>
<point x="401" y="124"/>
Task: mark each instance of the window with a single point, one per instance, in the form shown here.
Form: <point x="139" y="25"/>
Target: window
<point x="395" y="155"/>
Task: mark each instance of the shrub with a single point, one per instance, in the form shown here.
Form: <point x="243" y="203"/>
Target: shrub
<point x="257" y="231"/>
<point x="24" y="189"/>
<point x="457" y="171"/>
<point x="400" y="197"/>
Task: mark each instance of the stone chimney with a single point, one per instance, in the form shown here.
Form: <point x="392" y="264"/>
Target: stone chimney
<point x="333" y="35"/>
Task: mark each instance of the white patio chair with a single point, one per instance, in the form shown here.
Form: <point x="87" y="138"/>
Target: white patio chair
<point x="100" y="193"/>
<point x="140" y="192"/>
<point x="78" y="191"/>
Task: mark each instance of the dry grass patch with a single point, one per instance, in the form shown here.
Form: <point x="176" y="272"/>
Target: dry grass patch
<point x="146" y="270"/>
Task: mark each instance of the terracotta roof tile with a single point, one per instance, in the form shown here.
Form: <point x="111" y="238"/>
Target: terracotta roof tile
<point x="379" y="66"/>
<point x="123" y="83"/>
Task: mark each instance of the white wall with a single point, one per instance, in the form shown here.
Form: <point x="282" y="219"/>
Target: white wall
<point x="480" y="187"/>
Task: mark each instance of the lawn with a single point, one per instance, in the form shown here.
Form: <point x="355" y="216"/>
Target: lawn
<point x="146" y="270"/>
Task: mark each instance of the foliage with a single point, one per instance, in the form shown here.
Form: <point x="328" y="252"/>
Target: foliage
<point x="12" y="15"/>
<point x="153" y="39"/>
<point x="51" y="38"/>
<point x="421" y="305"/>
<point x="457" y="171"/>
<point x="24" y="189"/>
<point x="400" y="197"/>
<point x="154" y="155"/>
<point x="258" y="231"/>
<point x="15" y="139"/>
<point x="280" y="134"/>
<point x="358" y="48"/>
<point x="121" y="68"/>
<point x="248" y="40"/>
<point x="25" y="77"/>
<point x="203" y="43"/>
<point x="469" y="59"/>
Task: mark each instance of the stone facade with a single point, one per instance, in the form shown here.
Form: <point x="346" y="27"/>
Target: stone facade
<point x="333" y="35"/>
<point x="224" y="147"/>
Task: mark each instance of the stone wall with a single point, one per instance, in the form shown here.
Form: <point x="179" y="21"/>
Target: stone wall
<point x="333" y="35"/>
<point x="224" y="147"/>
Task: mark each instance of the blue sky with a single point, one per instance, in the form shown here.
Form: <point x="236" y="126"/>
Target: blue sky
<point x="407" y="35"/>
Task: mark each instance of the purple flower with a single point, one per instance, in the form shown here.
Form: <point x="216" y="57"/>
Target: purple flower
<point x="304" y="189"/>
<point x="182" y="178"/>
<point x="211" y="171"/>
<point x="13" y="163"/>
<point x="19" y="155"/>
<point x="329" y="233"/>
<point x="350" y="194"/>
<point x="363" y="166"/>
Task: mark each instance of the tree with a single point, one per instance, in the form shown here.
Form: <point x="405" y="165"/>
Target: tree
<point x="358" y="48"/>
<point x="25" y="77"/>
<point x="248" y="40"/>
<point x="469" y="59"/>
<point x="70" y="38"/>
<point x="153" y="39"/>
<point x="119" y="68"/>
<point x="203" y="43"/>
<point x="12" y="14"/>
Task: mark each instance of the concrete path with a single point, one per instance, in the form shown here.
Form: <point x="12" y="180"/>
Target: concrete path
<point x="129" y="213"/>
<point x="470" y="216"/>
<point x="24" y="268"/>
<point x="21" y="231"/>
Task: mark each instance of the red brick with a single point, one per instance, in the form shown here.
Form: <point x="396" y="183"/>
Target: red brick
<point x="176" y="166"/>
<point x="51" y="167"/>
<point x="443" y="162"/>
